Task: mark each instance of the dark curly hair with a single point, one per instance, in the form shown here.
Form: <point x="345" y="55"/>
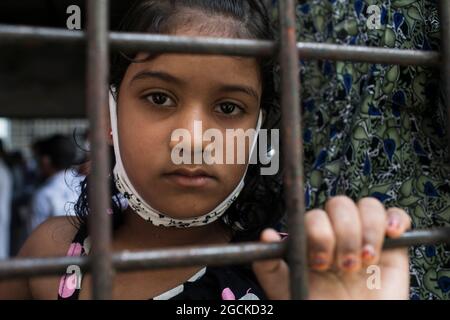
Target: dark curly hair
<point x="260" y="204"/>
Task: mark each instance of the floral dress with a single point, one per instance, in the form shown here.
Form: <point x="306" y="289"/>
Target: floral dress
<point x="379" y="130"/>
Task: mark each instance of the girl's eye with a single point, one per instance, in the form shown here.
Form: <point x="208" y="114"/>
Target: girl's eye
<point x="160" y="99"/>
<point x="228" y="108"/>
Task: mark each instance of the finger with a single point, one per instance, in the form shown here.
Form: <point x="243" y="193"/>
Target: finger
<point x="398" y="221"/>
<point x="344" y="217"/>
<point x="273" y="275"/>
<point x="373" y="220"/>
<point x="320" y="241"/>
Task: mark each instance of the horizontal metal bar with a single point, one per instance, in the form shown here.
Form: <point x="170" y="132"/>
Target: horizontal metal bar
<point x="327" y="51"/>
<point x="140" y="41"/>
<point x="420" y="237"/>
<point x="192" y="256"/>
<point x="226" y="46"/>
<point x="152" y="259"/>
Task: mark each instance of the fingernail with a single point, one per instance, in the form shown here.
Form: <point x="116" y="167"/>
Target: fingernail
<point x="368" y="253"/>
<point x="319" y="261"/>
<point x="393" y="223"/>
<point x="349" y="262"/>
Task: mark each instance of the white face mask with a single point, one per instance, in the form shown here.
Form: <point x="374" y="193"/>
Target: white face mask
<point x="145" y="210"/>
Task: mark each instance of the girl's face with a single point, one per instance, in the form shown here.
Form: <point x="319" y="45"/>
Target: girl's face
<point x="170" y="92"/>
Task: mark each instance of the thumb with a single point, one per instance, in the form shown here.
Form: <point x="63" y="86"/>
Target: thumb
<point x="273" y="275"/>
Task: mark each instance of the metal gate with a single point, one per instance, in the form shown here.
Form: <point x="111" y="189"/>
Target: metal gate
<point x="102" y="263"/>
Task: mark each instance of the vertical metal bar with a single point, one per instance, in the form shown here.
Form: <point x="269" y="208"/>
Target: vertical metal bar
<point x="97" y="102"/>
<point x="444" y="17"/>
<point x="268" y="4"/>
<point x="293" y="150"/>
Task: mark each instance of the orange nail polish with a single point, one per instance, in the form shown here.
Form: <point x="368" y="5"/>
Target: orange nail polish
<point x="368" y="253"/>
<point x="349" y="262"/>
<point x="319" y="262"/>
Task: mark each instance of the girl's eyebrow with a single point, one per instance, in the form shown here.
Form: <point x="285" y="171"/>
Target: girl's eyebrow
<point x="164" y="76"/>
<point x="240" y="88"/>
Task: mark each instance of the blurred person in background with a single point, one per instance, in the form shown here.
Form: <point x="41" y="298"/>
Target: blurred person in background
<point x="60" y="183"/>
<point x="24" y="186"/>
<point x="5" y="204"/>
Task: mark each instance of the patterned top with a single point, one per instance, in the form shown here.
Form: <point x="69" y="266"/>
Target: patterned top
<point x="210" y="283"/>
<point x="379" y="130"/>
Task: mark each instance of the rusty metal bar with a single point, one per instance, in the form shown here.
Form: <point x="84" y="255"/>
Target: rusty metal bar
<point x="335" y="52"/>
<point x="97" y="101"/>
<point x="192" y="256"/>
<point x="226" y="46"/>
<point x="154" y="259"/>
<point x="419" y="237"/>
<point x="291" y="129"/>
<point x="444" y="17"/>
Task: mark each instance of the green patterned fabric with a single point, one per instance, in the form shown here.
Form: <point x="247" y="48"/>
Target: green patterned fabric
<point x="379" y="130"/>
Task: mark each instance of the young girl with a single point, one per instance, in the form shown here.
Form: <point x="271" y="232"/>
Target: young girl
<point x="160" y="204"/>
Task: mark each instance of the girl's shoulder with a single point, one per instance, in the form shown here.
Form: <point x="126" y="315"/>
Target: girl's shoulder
<point x="51" y="238"/>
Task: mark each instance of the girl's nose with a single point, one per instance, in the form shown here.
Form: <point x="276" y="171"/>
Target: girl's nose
<point x="188" y="133"/>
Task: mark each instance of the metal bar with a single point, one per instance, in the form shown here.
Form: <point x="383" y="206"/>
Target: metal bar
<point x="206" y="45"/>
<point x="419" y="237"/>
<point x="335" y="52"/>
<point x="444" y="17"/>
<point x="97" y="101"/>
<point x="192" y="256"/>
<point x="291" y="129"/>
<point x="154" y="259"/>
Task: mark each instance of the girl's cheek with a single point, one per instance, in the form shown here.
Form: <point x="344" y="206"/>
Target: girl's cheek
<point x="231" y="174"/>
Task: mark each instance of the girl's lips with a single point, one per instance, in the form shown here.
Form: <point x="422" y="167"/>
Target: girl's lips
<point x="196" y="181"/>
<point x="196" y="178"/>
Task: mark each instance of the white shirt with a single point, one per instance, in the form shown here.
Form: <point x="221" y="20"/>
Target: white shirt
<point x="56" y="197"/>
<point x="5" y="209"/>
